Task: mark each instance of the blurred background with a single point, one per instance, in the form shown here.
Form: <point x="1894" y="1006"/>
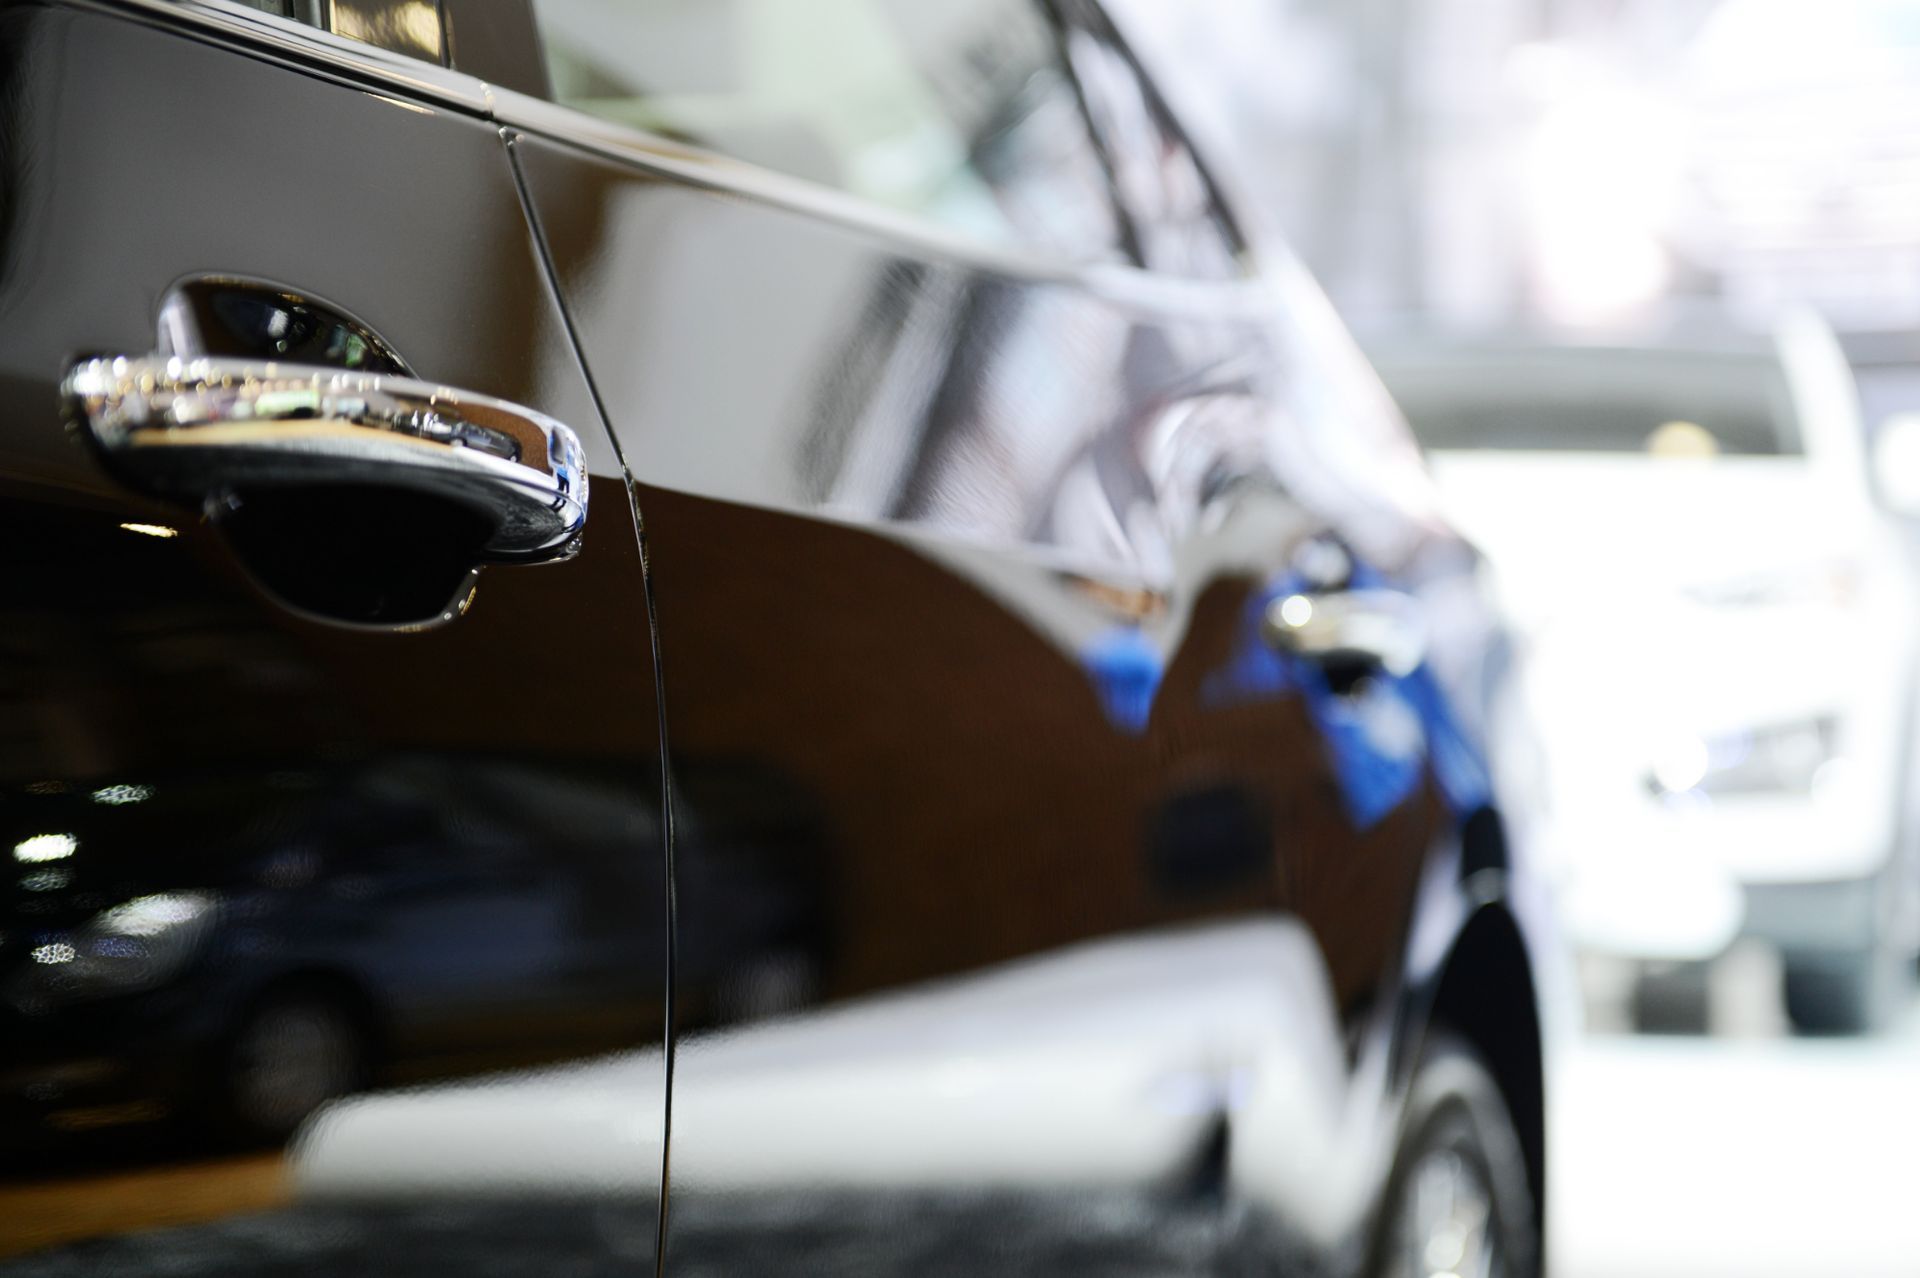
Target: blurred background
<point x="1645" y="277"/>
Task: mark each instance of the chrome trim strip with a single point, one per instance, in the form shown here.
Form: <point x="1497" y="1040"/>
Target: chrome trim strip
<point x="1246" y="297"/>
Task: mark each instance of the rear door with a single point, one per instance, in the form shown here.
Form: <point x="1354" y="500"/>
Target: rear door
<point x="1019" y="877"/>
<point x="231" y="731"/>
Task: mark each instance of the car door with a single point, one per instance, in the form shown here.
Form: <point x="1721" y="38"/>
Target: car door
<point x="305" y="640"/>
<point x="976" y="468"/>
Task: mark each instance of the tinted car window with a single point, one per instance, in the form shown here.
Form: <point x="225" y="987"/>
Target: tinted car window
<point x="961" y="111"/>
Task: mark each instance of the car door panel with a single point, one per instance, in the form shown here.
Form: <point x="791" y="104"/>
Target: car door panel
<point x="171" y="733"/>
<point x="1085" y="900"/>
<point x="1031" y="906"/>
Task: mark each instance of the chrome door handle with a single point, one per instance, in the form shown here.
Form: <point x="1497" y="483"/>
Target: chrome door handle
<point x="1368" y="628"/>
<point x="195" y="428"/>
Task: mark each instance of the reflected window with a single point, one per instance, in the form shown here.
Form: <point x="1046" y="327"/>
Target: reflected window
<point x="960" y="111"/>
<point x="1178" y="220"/>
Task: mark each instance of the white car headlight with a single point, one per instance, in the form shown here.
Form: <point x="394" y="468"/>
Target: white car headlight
<point x="1784" y="758"/>
<point x="133" y="946"/>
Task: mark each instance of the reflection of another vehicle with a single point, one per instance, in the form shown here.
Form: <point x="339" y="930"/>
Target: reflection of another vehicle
<point x="280" y="941"/>
<point x="145" y="643"/>
<point x="263" y="942"/>
<point x="1721" y="637"/>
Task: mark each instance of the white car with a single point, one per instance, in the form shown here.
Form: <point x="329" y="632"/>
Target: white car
<point x="1718" y="626"/>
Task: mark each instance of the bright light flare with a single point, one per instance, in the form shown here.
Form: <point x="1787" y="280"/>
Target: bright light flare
<point x="1682" y="765"/>
<point x="1296" y="610"/>
<point x="42" y="848"/>
<point x="1603" y="173"/>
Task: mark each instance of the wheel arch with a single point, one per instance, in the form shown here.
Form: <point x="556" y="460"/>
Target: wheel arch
<point x="1486" y="994"/>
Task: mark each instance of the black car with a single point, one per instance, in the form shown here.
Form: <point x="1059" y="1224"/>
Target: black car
<point x="803" y="561"/>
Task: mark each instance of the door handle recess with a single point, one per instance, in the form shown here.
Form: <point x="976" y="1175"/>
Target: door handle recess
<point x="1363" y="629"/>
<point x="196" y="428"/>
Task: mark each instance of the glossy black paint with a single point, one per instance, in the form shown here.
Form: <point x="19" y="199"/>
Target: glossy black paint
<point x="146" y="656"/>
<point x="976" y="557"/>
<point x="1022" y="886"/>
<point x="434" y="896"/>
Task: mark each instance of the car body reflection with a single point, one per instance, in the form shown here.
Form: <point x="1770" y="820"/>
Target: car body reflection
<point x="424" y="915"/>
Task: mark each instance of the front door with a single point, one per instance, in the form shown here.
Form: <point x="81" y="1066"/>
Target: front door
<point x="291" y="806"/>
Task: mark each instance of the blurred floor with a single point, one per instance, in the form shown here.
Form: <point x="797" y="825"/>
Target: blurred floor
<point x="1748" y="1154"/>
<point x="86" y="1205"/>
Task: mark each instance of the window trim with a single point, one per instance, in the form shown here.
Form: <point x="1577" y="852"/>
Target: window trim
<point x="226" y="22"/>
<point x="400" y="11"/>
<point x="398" y="17"/>
<point x="1057" y="25"/>
<point x="1243" y="296"/>
<point x="1091" y="18"/>
<point x="1252" y="296"/>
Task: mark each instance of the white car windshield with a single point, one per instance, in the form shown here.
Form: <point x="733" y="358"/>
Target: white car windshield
<point x="1609" y="402"/>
